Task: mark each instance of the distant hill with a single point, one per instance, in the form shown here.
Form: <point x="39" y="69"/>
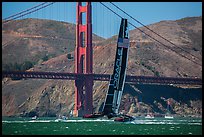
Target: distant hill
<point x="35" y="39"/>
<point x="146" y="57"/>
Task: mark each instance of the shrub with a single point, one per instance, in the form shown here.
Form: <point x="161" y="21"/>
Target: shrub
<point x="157" y="74"/>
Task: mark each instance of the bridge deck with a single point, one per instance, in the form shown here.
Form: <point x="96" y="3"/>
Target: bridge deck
<point x="101" y="77"/>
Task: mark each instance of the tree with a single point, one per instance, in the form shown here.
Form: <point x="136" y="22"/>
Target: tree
<point x="157" y="74"/>
<point x="26" y="65"/>
<point x="45" y="58"/>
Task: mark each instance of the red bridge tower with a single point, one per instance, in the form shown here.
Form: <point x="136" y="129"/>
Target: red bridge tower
<point x="83" y="60"/>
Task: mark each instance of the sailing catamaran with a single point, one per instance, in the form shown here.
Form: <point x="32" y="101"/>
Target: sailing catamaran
<point x="116" y="85"/>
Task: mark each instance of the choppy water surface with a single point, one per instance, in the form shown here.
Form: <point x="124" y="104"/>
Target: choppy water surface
<point x="79" y="126"/>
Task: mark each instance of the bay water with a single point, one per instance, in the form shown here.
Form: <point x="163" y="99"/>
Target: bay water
<point x="99" y="126"/>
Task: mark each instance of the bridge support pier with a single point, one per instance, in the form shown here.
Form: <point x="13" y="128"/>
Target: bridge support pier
<point x="83" y="61"/>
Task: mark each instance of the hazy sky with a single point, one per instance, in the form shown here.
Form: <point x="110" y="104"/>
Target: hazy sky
<point x="105" y="23"/>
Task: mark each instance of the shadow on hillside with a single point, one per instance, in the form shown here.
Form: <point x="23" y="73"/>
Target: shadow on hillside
<point x="148" y="93"/>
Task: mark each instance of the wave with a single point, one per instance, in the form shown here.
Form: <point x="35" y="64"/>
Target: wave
<point x="137" y="121"/>
<point x="166" y="122"/>
<point x="59" y="120"/>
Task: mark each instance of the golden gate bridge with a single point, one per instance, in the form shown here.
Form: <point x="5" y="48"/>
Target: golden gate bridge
<point x="84" y="76"/>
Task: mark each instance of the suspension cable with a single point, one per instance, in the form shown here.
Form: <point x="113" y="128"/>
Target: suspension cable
<point x="27" y="13"/>
<point x="153" y="31"/>
<point x="151" y="36"/>
<point x="25" y="10"/>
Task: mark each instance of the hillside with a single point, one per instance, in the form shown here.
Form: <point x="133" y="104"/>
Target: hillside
<point x="146" y="57"/>
<point x="37" y="39"/>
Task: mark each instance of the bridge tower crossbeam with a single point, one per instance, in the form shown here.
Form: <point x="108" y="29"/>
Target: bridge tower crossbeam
<point x="83" y="60"/>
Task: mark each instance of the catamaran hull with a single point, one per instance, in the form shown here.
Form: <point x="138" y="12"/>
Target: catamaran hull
<point x="92" y="115"/>
<point x="124" y="118"/>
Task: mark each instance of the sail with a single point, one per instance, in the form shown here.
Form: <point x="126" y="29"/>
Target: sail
<point x="116" y="85"/>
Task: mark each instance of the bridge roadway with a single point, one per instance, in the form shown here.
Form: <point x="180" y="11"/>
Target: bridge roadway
<point x="101" y="77"/>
